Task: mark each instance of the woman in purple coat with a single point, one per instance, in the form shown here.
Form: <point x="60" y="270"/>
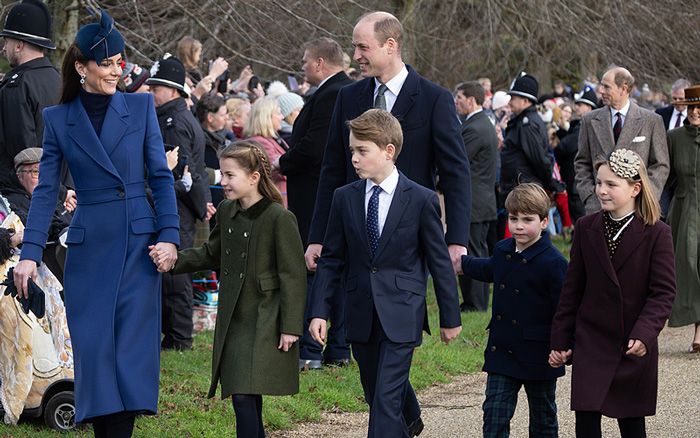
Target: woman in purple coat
<point x="110" y="141"/>
<point x="616" y="298"/>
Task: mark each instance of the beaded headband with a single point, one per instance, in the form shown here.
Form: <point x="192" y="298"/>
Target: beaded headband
<point x="625" y="163"/>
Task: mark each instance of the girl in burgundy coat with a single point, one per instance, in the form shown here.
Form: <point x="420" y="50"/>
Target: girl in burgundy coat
<point x="616" y="298"/>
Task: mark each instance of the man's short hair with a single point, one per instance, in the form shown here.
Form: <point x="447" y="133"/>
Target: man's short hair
<point x="325" y="48"/>
<point x="622" y="76"/>
<point x="385" y="26"/>
<point x="209" y="103"/>
<point x="680" y="84"/>
<point x="528" y="198"/>
<point x="472" y="89"/>
<point x="378" y="126"/>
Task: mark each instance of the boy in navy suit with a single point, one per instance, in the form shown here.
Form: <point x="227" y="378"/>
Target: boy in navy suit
<point x="528" y="273"/>
<point x="383" y="232"/>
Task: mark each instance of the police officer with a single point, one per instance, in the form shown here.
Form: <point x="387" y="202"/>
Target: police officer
<point x="32" y="84"/>
<point x="525" y="156"/>
<point x="181" y="129"/>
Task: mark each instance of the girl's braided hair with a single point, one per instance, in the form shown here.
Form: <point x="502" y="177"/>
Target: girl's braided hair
<point x="253" y="158"/>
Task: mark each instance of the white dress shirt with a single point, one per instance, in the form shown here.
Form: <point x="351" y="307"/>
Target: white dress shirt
<point x="674" y="117"/>
<point x="385" y="196"/>
<point x="622" y="111"/>
<point x="394" y="87"/>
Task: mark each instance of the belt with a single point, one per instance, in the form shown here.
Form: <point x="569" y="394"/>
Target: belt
<point x="109" y="194"/>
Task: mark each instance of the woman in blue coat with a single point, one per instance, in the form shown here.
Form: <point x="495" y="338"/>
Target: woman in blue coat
<point x="110" y="141"/>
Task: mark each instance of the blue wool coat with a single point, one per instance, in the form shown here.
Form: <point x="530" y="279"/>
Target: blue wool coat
<point x="525" y="295"/>
<point x="112" y="288"/>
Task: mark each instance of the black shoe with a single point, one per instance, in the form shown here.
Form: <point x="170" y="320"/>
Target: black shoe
<point x="337" y="362"/>
<point x="415" y="428"/>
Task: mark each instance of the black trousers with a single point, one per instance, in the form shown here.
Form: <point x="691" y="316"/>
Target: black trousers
<point x="117" y="425"/>
<point x="588" y="426"/>
<point x="177" y="292"/>
<point x="248" y="410"/>
<point x="475" y="294"/>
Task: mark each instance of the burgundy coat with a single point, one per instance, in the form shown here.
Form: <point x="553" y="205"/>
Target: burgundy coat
<point x="604" y="303"/>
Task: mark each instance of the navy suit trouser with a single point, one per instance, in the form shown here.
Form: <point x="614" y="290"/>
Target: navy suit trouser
<point x="337" y="347"/>
<point x="384" y="371"/>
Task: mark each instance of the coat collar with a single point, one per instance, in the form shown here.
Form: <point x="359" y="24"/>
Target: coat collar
<point x="602" y="126"/>
<point x="533" y="250"/>
<point x="113" y="128"/>
<point x="629" y="242"/>
<point x="396" y="210"/>
<point x="253" y="212"/>
<point x="404" y="101"/>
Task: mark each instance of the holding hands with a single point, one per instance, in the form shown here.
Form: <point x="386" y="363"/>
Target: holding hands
<point x="164" y="255"/>
<point x="286" y="341"/>
<point x="558" y="358"/>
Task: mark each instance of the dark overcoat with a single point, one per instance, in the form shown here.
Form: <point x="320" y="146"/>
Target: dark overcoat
<point x="526" y="289"/>
<point x="262" y="294"/>
<point x="432" y="147"/>
<point x="480" y="140"/>
<point x="24" y="92"/>
<point x="606" y="302"/>
<point x="301" y="164"/>
<point x="112" y="288"/>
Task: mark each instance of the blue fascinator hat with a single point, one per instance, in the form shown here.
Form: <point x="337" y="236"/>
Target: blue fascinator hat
<point x="98" y="41"/>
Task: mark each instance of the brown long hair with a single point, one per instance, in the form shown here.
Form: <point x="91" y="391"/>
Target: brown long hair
<point x="250" y="156"/>
<point x="70" y="77"/>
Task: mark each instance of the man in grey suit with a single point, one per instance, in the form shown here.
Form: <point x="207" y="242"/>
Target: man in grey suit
<point x="480" y="140"/>
<point x="621" y="123"/>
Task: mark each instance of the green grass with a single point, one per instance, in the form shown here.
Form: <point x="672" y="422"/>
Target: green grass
<point x="184" y="411"/>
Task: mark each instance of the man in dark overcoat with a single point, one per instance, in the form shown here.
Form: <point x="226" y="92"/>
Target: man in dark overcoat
<point x="301" y="164"/>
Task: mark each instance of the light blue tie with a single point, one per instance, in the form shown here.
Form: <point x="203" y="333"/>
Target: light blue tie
<point x="373" y="219"/>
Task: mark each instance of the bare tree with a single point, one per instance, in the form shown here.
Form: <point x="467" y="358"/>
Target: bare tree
<point x="448" y="41"/>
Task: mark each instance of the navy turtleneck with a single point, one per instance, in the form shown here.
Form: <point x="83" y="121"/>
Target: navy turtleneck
<point x="95" y="105"/>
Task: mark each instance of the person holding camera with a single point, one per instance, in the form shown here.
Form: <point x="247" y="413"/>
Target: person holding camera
<point x="180" y="129"/>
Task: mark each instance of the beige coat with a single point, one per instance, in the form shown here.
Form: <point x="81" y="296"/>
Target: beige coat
<point x="643" y="132"/>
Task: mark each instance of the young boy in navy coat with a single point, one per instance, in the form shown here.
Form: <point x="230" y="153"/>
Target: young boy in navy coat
<point x="383" y="231"/>
<point x="528" y="274"/>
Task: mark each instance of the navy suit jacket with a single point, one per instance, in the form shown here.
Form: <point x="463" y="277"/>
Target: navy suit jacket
<point x="432" y="141"/>
<point x="393" y="281"/>
<point x="666" y="113"/>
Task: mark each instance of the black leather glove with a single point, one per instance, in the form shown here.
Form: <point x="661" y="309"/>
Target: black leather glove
<point x="35" y="302"/>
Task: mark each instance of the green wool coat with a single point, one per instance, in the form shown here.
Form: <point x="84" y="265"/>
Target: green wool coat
<point x="262" y="293"/>
<point x="684" y="219"/>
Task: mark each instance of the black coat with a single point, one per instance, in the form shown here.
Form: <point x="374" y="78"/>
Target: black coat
<point x="302" y="162"/>
<point x="480" y="140"/>
<point x="180" y="128"/>
<point x="525" y="155"/>
<point x="432" y="147"/>
<point x="213" y="143"/>
<point x="666" y="113"/>
<point x="565" y="153"/>
<point x="26" y="90"/>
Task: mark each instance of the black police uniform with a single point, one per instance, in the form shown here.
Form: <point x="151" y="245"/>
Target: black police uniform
<point x="180" y="128"/>
<point x="24" y="92"/>
<point x="525" y="156"/>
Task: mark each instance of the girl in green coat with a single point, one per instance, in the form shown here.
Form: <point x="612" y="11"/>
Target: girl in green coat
<point x="256" y="246"/>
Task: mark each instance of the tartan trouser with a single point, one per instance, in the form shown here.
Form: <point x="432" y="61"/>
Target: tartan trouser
<point x="502" y="397"/>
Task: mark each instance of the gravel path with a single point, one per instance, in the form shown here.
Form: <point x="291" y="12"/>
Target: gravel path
<point x="454" y="409"/>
